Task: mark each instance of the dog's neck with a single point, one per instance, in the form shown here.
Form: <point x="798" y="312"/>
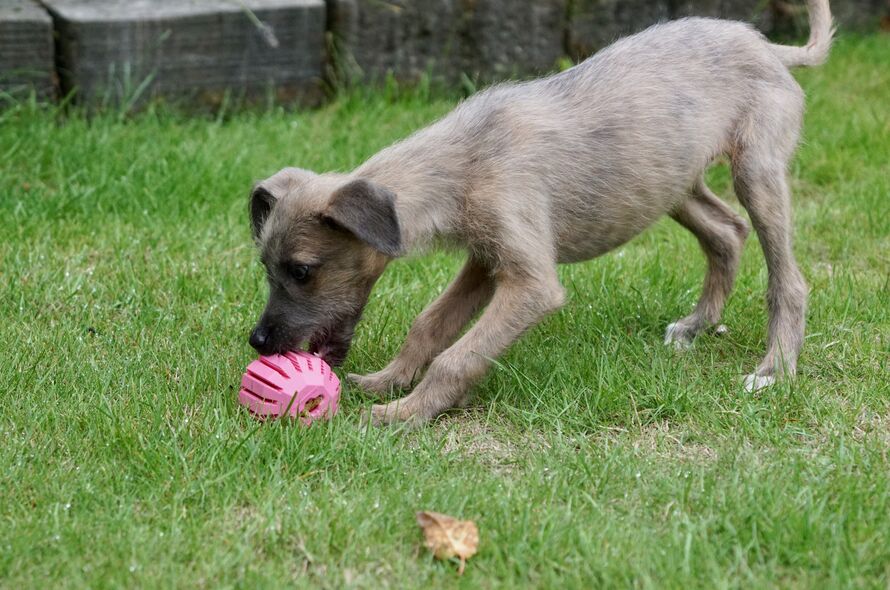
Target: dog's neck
<point x="429" y="187"/>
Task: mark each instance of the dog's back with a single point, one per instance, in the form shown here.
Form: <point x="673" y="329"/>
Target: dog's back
<point x="637" y="122"/>
<point x="622" y="137"/>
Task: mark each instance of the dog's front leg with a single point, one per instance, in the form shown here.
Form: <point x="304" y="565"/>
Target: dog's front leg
<point x="434" y="329"/>
<point x="519" y="302"/>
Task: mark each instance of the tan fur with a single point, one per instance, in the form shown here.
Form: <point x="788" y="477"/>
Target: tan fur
<point x="562" y="169"/>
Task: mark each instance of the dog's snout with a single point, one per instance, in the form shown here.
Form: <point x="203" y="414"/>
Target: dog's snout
<point x="259" y="338"/>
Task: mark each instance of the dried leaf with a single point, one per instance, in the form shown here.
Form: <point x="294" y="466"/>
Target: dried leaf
<point x="448" y="537"/>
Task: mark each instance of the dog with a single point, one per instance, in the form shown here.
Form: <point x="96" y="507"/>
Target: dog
<point x="524" y="176"/>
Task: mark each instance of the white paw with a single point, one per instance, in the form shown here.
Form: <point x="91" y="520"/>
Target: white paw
<point x="755" y="383"/>
<point x="721" y="330"/>
<point x="677" y="337"/>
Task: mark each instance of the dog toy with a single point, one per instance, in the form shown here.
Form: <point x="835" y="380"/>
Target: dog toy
<point x="294" y="383"/>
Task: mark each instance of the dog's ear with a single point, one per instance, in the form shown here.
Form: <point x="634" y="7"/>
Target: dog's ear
<point x="261" y="204"/>
<point x="367" y="211"/>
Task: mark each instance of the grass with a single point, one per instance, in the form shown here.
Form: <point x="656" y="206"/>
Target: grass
<point x="591" y="457"/>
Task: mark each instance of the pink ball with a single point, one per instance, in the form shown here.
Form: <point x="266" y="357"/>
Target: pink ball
<point x="294" y="383"/>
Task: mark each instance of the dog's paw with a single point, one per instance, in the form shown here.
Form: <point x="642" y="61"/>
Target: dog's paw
<point x="754" y="383"/>
<point x="678" y="336"/>
<point x="392" y="414"/>
<point x="381" y="383"/>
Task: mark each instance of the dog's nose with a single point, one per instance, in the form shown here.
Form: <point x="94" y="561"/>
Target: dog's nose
<point x="259" y="337"/>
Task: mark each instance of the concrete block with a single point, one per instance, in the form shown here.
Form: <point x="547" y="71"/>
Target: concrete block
<point x="485" y="39"/>
<point x="112" y="51"/>
<point x="751" y="11"/>
<point x="500" y="38"/>
<point x="402" y="37"/>
<point x="594" y="24"/>
<point x="790" y="18"/>
<point x="26" y="49"/>
<point x="854" y="15"/>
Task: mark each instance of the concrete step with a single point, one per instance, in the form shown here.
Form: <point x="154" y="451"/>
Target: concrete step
<point x="114" y="51"/>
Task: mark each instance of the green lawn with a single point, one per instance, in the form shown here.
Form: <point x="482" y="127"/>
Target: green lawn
<point x="592" y="456"/>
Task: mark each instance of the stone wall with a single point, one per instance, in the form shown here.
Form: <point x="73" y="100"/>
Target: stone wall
<point x="121" y="51"/>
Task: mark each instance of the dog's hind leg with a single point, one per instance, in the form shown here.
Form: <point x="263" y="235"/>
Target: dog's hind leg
<point x="434" y="329"/>
<point x="759" y="171"/>
<point x="721" y="232"/>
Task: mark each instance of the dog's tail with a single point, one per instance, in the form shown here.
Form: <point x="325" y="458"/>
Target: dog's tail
<point x="815" y="52"/>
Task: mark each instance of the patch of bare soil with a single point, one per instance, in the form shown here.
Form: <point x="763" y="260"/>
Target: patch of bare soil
<point x="662" y="439"/>
<point x="498" y="446"/>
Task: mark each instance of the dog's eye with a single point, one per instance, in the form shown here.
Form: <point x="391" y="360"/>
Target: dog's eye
<point x="298" y="272"/>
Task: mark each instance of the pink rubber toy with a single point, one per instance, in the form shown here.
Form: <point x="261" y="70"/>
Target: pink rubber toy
<point x="294" y="383"/>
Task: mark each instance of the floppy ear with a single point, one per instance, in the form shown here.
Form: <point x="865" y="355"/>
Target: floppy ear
<point x="261" y="203"/>
<point x="367" y="211"/>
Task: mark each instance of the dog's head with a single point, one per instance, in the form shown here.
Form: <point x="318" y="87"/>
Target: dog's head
<point x="324" y="240"/>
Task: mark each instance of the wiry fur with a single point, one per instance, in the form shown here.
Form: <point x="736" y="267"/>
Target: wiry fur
<point x="566" y="168"/>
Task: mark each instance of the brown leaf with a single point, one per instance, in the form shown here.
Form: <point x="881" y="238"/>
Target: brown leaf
<point x="448" y="537"/>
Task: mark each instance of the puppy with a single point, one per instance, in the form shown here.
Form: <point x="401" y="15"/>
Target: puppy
<point x="525" y="176"/>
